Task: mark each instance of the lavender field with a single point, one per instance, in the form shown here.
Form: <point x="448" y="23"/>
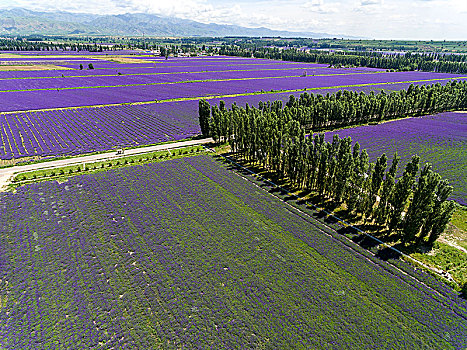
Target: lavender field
<point x="38" y="117"/>
<point x="440" y="140"/>
<point x="77" y="131"/>
<point x="186" y="254"/>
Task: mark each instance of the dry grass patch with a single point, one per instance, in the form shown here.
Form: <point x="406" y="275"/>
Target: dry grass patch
<point x="14" y="161"/>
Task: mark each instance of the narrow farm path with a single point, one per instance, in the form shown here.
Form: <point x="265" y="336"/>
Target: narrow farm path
<point x="7" y="174"/>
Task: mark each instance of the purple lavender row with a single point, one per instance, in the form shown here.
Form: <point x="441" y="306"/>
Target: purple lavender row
<point x="207" y="63"/>
<point x="338" y="78"/>
<point x="72" y="53"/>
<point x="199" y="65"/>
<point x="13" y="101"/>
<point x="145" y="69"/>
<point x="185" y="284"/>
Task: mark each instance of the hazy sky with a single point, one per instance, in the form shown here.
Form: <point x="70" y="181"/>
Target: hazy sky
<point x="380" y="19"/>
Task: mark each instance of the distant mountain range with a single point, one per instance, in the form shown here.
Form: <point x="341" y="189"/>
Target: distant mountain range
<point x="19" y="21"/>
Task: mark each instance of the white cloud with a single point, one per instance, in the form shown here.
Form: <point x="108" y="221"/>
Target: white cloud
<point x="168" y="8"/>
<point x="320" y="6"/>
<point x="371" y="2"/>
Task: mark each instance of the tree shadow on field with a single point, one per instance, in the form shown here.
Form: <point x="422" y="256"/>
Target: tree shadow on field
<point x="320" y="214"/>
<point x="272" y="189"/>
<point x="365" y="242"/>
<point x="316" y="200"/>
<point x="387" y="253"/>
<point x="349" y="217"/>
<point x="347" y="231"/>
<point x="407" y="249"/>
<point x="289" y="197"/>
<point x="331" y="219"/>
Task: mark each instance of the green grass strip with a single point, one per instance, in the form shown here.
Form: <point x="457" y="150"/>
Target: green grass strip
<point x="65" y="172"/>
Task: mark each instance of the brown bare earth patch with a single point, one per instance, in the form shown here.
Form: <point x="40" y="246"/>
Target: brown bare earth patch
<point x="32" y="67"/>
<point x="14" y="161"/>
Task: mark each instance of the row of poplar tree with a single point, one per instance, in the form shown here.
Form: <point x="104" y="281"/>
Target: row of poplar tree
<point x="347" y="108"/>
<point x="415" y="207"/>
<point x="427" y="62"/>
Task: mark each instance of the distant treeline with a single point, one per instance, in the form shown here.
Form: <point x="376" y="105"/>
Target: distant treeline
<point x="272" y="135"/>
<point x="428" y="62"/>
<point x="19" y="45"/>
<point x="38" y="44"/>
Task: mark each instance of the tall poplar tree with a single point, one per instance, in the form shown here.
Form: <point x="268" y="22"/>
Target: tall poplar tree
<point x="421" y="205"/>
<point x="402" y="191"/>
<point x="389" y="182"/>
<point x="376" y="181"/>
<point x="204" y="111"/>
<point x="441" y="214"/>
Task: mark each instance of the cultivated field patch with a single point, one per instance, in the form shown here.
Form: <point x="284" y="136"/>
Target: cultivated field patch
<point x="185" y="253"/>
